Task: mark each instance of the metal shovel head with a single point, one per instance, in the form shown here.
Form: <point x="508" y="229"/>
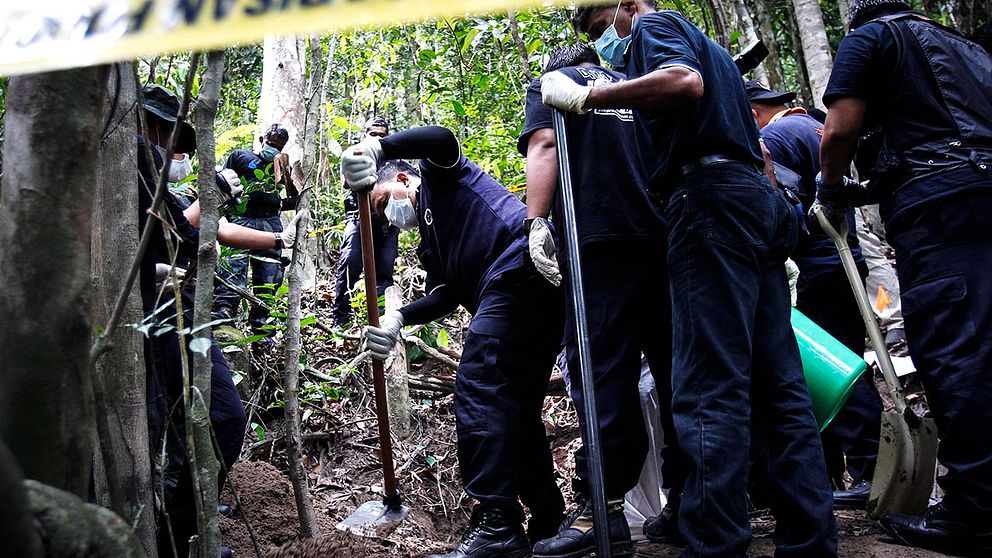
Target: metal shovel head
<point x="907" y="458"/>
<point x="371" y="517"/>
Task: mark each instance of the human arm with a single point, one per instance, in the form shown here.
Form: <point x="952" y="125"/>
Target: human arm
<point x="840" y="137"/>
<point x="542" y="172"/>
<point x="662" y="89"/>
<point x="769" y="164"/>
<point x="437" y="145"/>
<point x="237" y="236"/>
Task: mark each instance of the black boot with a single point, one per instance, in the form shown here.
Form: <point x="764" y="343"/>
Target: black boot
<point x="491" y="534"/>
<point x="664" y="527"/>
<point x="577" y="538"/>
<point x="938" y="529"/>
<point x="854" y="498"/>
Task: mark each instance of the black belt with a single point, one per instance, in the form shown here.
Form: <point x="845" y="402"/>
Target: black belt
<point x="707" y="161"/>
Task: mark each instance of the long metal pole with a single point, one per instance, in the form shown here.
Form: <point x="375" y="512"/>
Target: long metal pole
<point x="391" y="498"/>
<point x="590" y="427"/>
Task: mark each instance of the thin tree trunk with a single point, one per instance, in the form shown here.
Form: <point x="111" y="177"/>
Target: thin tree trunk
<point x="802" y="76"/>
<point x="766" y="29"/>
<point x="521" y="47"/>
<point x="398" y="375"/>
<point x="721" y="30"/>
<point x="199" y="420"/>
<point x="844" y="7"/>
<point x="291" y="372"/>
<point x="119" y="379"/>
<point x="816" y="47"/>
<point x="46" y="211"/>
<point x="283" y="82"/>
<point x="746" y="26"/>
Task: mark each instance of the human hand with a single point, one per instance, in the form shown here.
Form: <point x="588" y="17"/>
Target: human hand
<point x="359" y="163"/>
<point x="381" y="340"/>
<point x="558" y="90"/>
<point x="541" y="245"/>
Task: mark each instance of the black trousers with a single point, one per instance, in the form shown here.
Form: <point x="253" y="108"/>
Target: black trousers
<point x="503" y="451"/>
<point x="628" y="311"/>
<point x="944" y="263"/>
<point x="385" y="239"/>
<point x="828" y="300"/>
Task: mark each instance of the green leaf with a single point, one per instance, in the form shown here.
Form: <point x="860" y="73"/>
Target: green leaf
<point x="431" y="460"/>
<point x="260" y="174"/>
<point x="442" y="338"/>
<point x="341" y="122"/>
<point x="259" y="431"/>
<point x="458" y="108"/>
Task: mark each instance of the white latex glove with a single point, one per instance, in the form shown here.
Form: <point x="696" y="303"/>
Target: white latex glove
<point x="359" y="163"/>
<point x="233" y="182"/>
<point x="163" y="272"/>
<point x="542" y="251"/>
<point x="288" y="234"/>
<point x="558" y="90"/>
<point x="380" y="340"/>
<point x="792" y="273"/>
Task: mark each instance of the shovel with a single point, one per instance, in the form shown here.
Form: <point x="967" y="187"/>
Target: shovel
<point x="907" y="449"/>
<point x="371" y="516"/>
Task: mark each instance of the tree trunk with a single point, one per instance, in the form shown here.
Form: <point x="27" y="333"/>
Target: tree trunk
<point x="397" y="377"/>
<point x="304" y="175"/>
<point x="521" y="48"/>
<point x="119" y="378"/>
<point x="816" y="47"/>
<point x="721" y="30"/>
<point x="283" y="81"/>
<point x="46" y="409"/>
<point x="749" y="35"/>
<point x="802" y="76"/>
<point x="766" y="29"/>
<point x="198" y="423"/>
<point x="844" y="7"/>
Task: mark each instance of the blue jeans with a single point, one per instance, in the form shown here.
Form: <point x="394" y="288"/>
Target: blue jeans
<point x="266" y="272"/>
<point x="735" y="359"/>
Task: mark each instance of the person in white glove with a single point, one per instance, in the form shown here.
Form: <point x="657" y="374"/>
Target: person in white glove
<point x="381" y="340"/>
<point x="229" y="183"/>
<point x="621" y="237"/>
<point x="792" y="273"/>
<point x="474" y="252"/>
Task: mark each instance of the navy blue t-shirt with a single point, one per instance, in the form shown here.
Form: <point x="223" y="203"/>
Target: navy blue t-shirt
<point x="866" y="67"/>
<point x="794" y="142"/>
<point x="608" y="178"/>
<point x="719" y="123"/>
<point x="470" y="229"/>
<point x="262" y="193"/>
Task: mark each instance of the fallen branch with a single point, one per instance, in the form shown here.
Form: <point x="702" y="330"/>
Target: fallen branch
<point x="432" y="352"/>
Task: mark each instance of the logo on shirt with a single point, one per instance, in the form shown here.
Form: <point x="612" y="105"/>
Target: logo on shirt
<point x="595" y="76"/>
<point x="428" y="217"/>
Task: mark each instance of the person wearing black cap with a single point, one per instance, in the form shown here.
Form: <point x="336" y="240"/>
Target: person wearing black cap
<point x="911" y="103"/>
<point x="735" y="357"/>
<point x="385" y="242"/>
<point x="824" y="294"/>
<point x="260" y="211"/>
<point x="163" y="353"/>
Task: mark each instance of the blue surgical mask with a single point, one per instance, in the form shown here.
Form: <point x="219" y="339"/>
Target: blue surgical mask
<point x="401" y="213"/>
<point x="610" y="46"/>
<point x="268" y="153"/>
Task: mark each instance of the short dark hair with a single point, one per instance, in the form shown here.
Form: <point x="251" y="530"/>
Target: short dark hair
<point x="376" y="122"/>
<point x="571" y="55"/>
<point x="582" y="15"/>
<point x="391" y="168"/>
<point x="277" y="132"/>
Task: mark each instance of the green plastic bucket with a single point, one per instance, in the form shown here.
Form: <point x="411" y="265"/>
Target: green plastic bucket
<point x="831" y="369"/>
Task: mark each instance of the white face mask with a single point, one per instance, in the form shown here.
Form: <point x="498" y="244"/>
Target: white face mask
<point x="179" y="169"/>
<point x="401" y="213"/>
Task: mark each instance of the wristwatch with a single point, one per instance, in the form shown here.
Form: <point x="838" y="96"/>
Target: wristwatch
<point x="278" y="236"/>
<point x="527" y="224"/>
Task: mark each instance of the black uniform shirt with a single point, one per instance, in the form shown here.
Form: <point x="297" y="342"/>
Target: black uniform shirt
<point x="608" y="178"/>
<point x="719" y="123"/>
<point x="261" y="190"/>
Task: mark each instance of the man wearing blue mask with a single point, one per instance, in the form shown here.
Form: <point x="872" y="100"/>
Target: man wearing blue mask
<point x="385" y="243"/>
<point x="474" y="250"/>
<point x="259" y="210"/>
<point x="735" y="359"/>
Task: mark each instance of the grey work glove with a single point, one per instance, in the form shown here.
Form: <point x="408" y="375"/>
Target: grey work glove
<point x="541" y="245"/>
<point x="381" y="340"/>
<point x="559" y="90"/>
<point x="359" y="163"/>
<point x="792" y="273"/>
<point x="165" y="272"/>
<point x="230" y="178"/>
<point x="288" y="235"/>
<point x="838" y="198"/>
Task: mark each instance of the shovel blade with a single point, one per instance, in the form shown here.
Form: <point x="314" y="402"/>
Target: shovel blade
<point x="907" y="458"/>
<point x="372" y="518"/>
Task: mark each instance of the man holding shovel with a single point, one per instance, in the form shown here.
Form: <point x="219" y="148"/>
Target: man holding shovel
<point x="474" y="251"/>
<point x="911" y="102"/>
<point x="622" y="245"/>
<point x="734" y="353"/>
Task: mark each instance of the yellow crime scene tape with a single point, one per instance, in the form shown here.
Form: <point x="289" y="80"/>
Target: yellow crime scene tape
<point x="43" y="35"/>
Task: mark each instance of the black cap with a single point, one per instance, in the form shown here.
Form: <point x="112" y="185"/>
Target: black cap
<point x="164" y="105"/>
<point x="763" y="96"/>
<point x="376" y="122"/>
<point x="865" y="10"/>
